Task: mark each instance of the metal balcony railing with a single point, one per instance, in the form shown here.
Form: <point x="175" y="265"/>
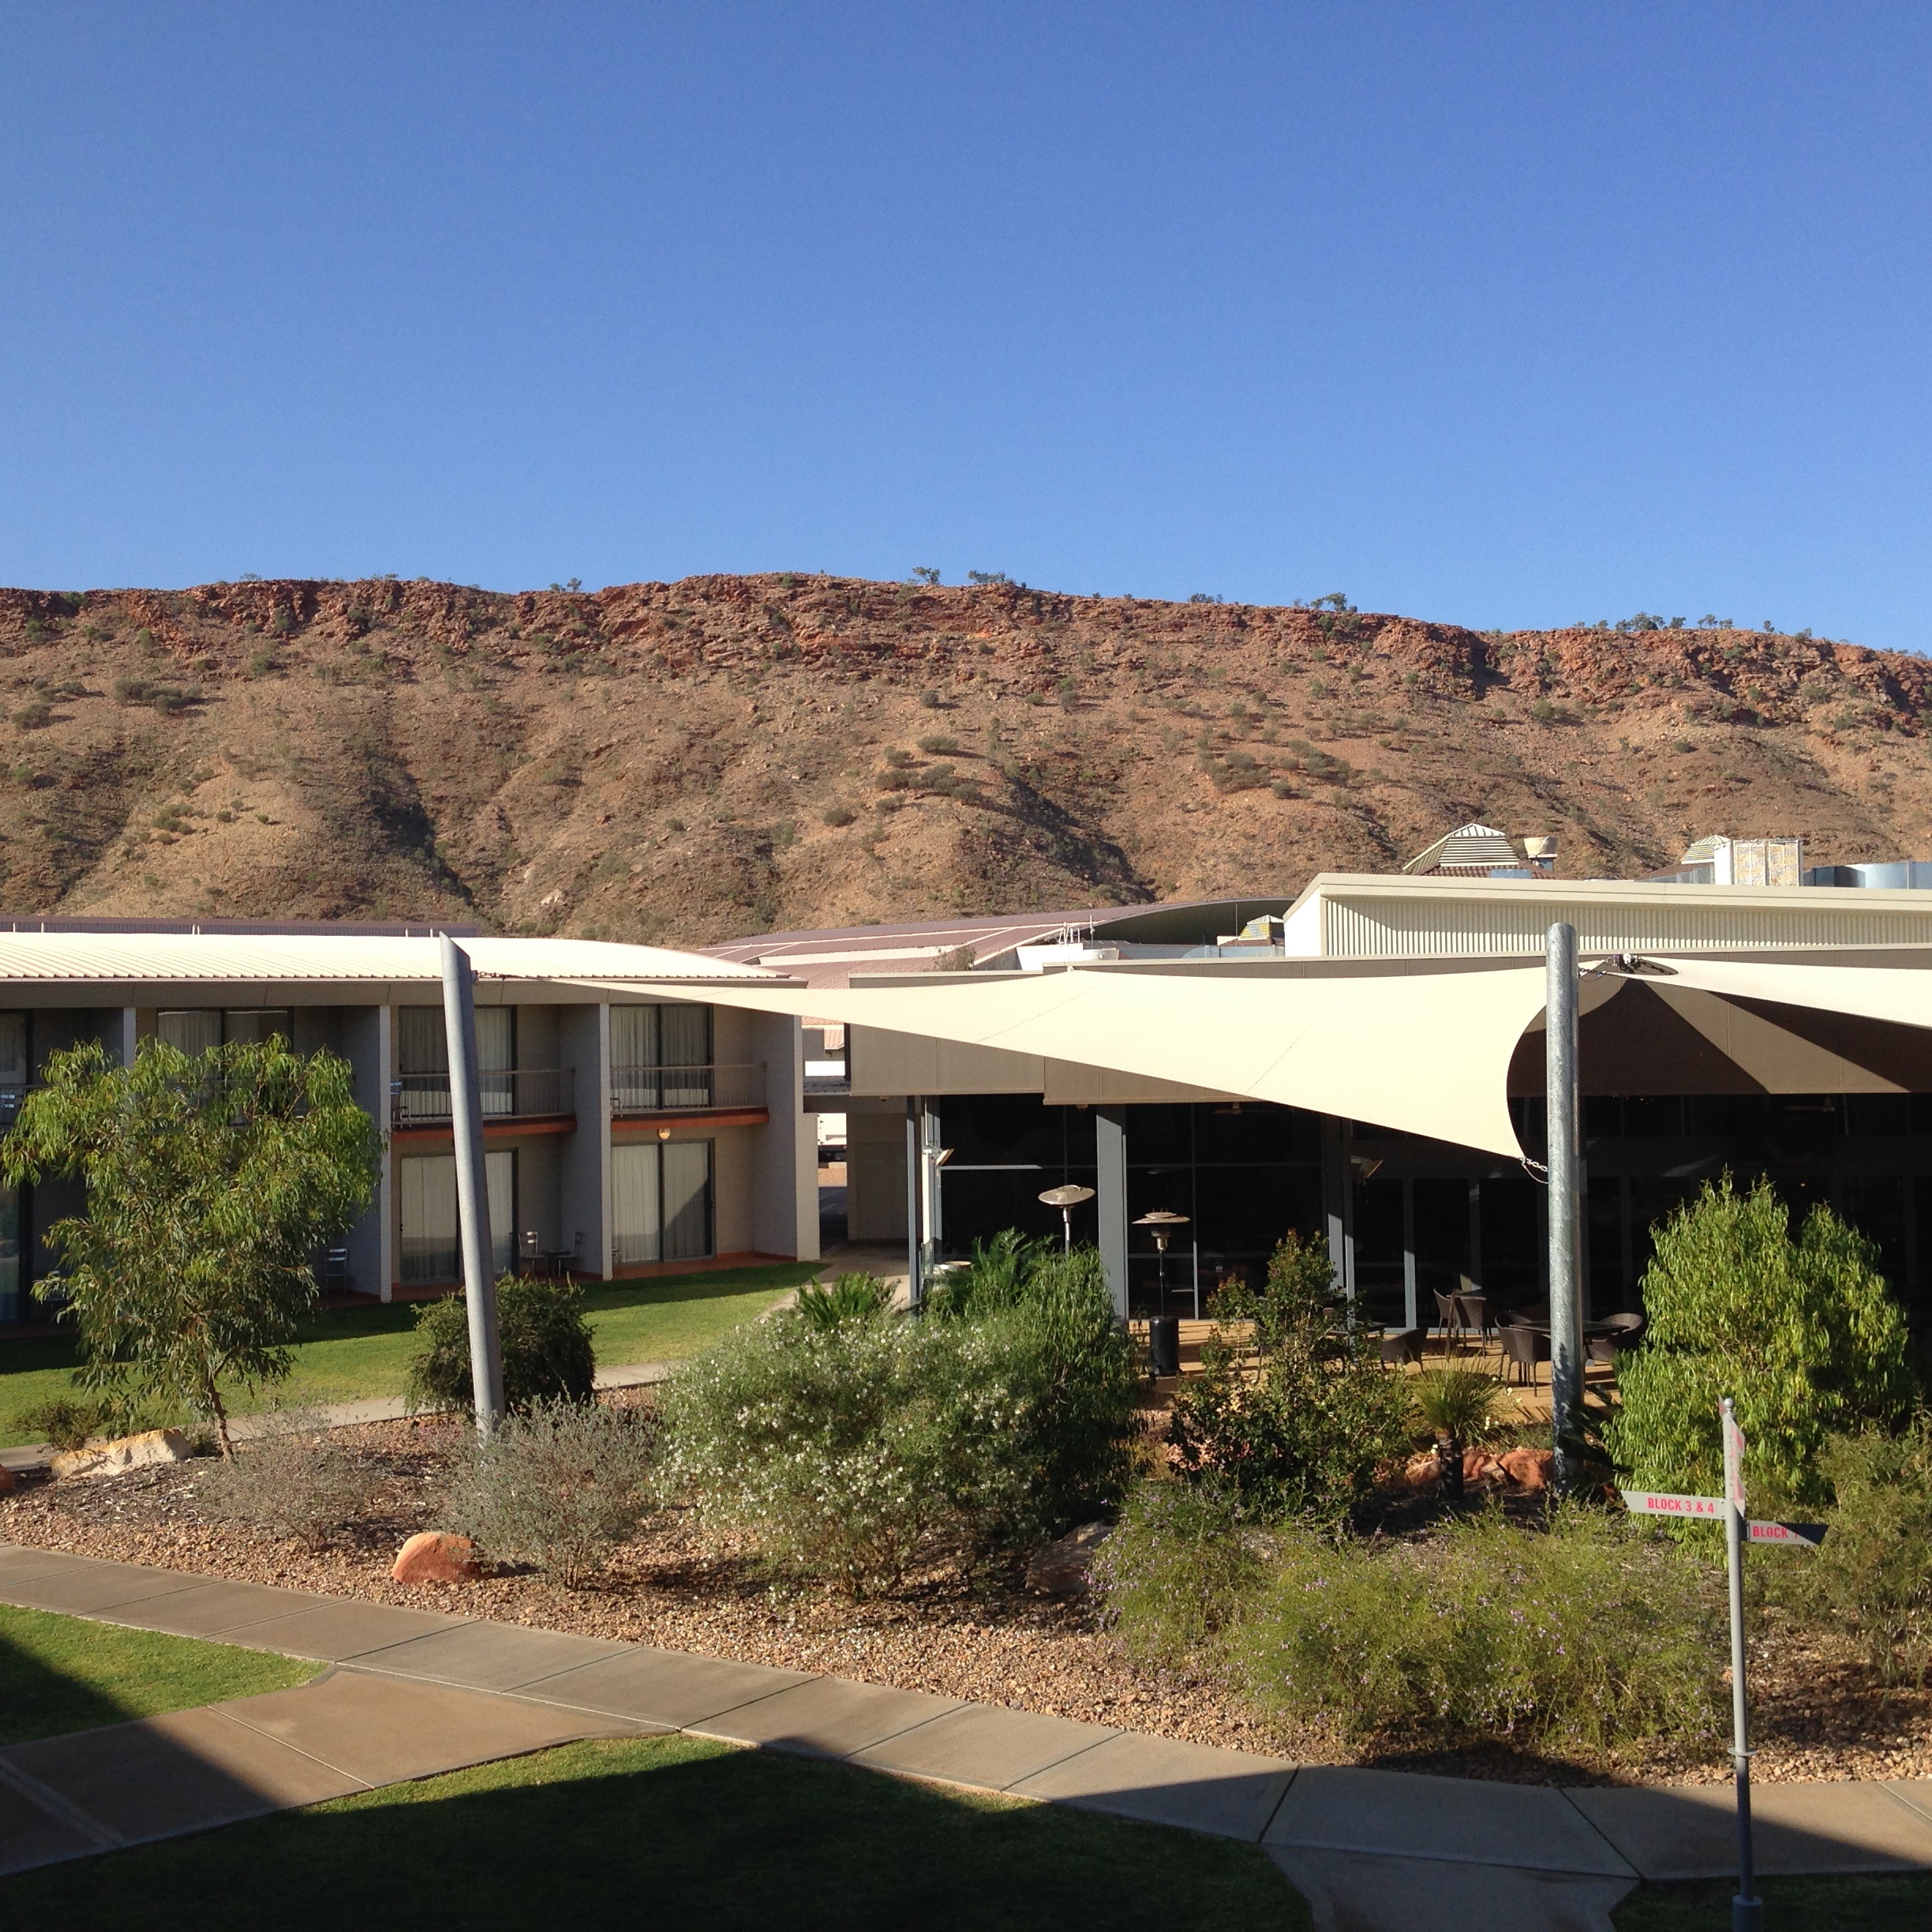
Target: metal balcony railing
<point x="522" y="1093"/>
<point x="636" y="1090"/>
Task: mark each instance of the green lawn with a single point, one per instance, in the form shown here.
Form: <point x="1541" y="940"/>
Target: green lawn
<point x="62" y="1673"/>
<point x="352" y="1353"/>
<point x="672" y="1831"/>
<point x="1900" y="1904"/>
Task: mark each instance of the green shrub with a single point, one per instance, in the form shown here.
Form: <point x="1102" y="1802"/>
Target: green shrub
<point x="1460" y="1403"/>
<point x="1591" y="1632"/>
<point x="854" y="1451"/>
<point x="838" y="1449"/>
<point x="1296" y="1419"/>
<point x="1179" y="1566"/>
<point x="1803" y="1332"/>
<point x="289" y="1478"/>
<point x="995" y="1277"/>
<point x="851" y="1298"/>
<point x="545" y="1340"/>
<point x="557" y="1486"/>
<point x="1872" y="1576"/>
<point x="67" y="1421"/>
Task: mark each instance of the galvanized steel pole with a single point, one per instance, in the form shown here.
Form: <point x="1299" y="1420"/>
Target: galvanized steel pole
<point x="1564" y="1113"/>
<point x="472" y="1185"/>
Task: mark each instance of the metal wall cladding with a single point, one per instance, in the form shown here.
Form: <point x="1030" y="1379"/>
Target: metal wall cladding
<point x="1392" y="929"/>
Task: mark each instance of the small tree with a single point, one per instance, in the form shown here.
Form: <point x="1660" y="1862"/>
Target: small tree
<point x="211" y="1182"/>
<point x="1802" y="1332"/>
<point x="1295" y="1413"/>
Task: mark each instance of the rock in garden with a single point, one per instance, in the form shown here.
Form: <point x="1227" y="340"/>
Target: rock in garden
<point x="9" y="1481"/>
<point x="1478" y="1466"/>
<point x="435" y="1556"/>
<point x="123" y="1453"/>
<point x="1422" y="1469"/>
<point x="1059" y="1569"/>
<point x="1533" y="1469"/>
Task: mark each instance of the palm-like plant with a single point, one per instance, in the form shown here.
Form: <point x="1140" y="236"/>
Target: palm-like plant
<point x="1456" y="1407"/>
<point x="850" y="1298"/>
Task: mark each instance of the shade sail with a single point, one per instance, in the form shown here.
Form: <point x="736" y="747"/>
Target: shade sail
<point x="1900" y="994"/>
<point x="1421" y="1048"/>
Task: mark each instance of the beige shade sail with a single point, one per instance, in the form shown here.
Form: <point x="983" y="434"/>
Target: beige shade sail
<point x="1900" y="994"/>
<point x="1417" y="1046"/>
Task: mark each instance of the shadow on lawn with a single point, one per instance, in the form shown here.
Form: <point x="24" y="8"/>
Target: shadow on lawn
<point x="670" y="1830"/>
<point x="39" y="1699"/>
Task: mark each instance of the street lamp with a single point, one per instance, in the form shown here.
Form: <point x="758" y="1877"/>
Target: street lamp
<point x="1066" y="1200"/>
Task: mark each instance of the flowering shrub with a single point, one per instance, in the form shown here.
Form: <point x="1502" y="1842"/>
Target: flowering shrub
<point x="854" y="1451"/>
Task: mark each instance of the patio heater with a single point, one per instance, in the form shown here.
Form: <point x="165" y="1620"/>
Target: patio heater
<point x="1066" y="1200"/>
<point x="1161" y="1222"/>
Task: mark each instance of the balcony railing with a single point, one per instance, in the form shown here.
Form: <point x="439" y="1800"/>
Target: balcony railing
<point x="636" y="1090"/>
<point x="525" y="1093"/>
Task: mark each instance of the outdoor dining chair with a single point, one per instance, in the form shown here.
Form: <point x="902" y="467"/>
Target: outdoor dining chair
<point x="1523" y="1349"/>
<point x="1400" y="1346"/>
<point x="1614" y="1333"/>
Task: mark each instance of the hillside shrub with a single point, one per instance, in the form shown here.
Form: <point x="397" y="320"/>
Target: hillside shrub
<point x="548" y="1354"/>
<point x="1294" y="1411"/>
<point x="1590" y="1631"/>
<point x="854" y="1451"/>
<point x="558" y="1486"/>
<point x="1871" y="1578"/>
<point x="1803" y="1332"/>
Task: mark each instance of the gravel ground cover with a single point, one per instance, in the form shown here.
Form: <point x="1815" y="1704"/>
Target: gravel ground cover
<point x="1819" y="1716"/>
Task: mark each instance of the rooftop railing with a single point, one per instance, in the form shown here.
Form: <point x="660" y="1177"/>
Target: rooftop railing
<point x="641" y="1090"/>
<point x="521" y="1093"/>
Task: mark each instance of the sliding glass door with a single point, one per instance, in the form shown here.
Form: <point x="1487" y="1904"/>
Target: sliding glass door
<point x="660" y="1201"/>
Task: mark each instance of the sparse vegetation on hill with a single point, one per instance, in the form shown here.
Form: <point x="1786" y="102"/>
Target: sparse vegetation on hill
<point x="685" y="762"/>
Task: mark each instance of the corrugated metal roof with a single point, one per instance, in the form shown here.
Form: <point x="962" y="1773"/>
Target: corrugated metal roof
<point x="230" y="958"/>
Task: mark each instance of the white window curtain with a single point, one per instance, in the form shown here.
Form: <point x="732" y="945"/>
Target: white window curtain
<point x="636" y="1223"/>
<point x="422" y="1060"/>
<point x="432" y="1236"/>
<point x="684" y="1037"/>
<point x="193" y="1031"/>
<point x="253" y="1024"/>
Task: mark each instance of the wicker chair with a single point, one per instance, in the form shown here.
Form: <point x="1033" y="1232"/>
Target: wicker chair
<point x="1523" y="1349"/>
<point x="1400" y="1346"/>
<point x="1620" y="1332"/>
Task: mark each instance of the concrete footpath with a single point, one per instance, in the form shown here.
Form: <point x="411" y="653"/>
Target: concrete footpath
<point x="416" y="1692"/>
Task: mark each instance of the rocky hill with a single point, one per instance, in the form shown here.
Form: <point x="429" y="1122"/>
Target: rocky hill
<point x="685" y="763"/>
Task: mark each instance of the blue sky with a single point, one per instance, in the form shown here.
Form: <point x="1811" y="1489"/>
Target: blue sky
<point x="1502" y="314"/>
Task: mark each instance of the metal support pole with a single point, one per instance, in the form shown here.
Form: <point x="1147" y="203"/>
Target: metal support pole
<point x="1746" y="1908"/>
<point x="914" y="1159"/>
<point x="1563" y="1111"/>
<point x="472" y="1185"/>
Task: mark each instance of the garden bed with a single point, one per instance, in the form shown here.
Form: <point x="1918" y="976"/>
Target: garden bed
<point x="1819" y="1714"/>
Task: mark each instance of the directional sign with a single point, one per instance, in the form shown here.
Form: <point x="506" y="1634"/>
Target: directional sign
<point x="1795" y="1536"/>
<point x="1654" y="1503"/>
<point x="1711" y="1509"/>
<point x="1734" y="1456"/>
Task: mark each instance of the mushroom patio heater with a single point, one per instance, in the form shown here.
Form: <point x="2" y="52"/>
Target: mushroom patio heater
<point x="1162" y="1222"/>
<point x="1066" y="1200"/>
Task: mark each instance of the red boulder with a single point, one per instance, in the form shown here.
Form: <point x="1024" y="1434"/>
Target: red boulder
<point x="435" y="1556"/>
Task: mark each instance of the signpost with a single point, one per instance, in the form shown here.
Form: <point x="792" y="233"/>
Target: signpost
<point x="1746" y="1908"/>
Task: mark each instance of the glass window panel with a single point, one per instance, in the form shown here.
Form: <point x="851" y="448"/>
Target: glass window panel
<point x="431" y="1247"/>
<point x="1609" y="1290"/>
<point x="635" y="1220"/>
<point x="500" y="1175"/>
<point x="420" y="1047"/>
<point x="684" y="1039"/>
<point x="497" y="1057"/>
<point x="12" y="1049"/>
<point x="11" y="1309"/>
<point x="634" y="1036"/>
<point x="1512" y="1240"/>
<point x="251" y="1025"/>
<point x="1442" y="1234"/>
<point x="686" y="1199"/>
<point x="1381" y="1291"/>
<point x="193" y="1031"/>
